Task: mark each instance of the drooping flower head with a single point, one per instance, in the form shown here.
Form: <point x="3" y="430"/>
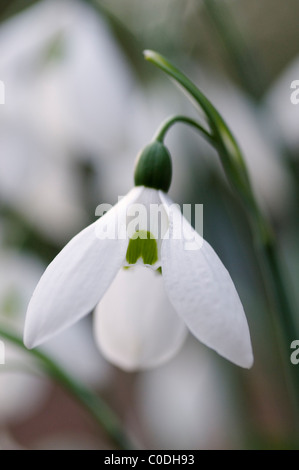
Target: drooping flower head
<point x="149" y="274"/>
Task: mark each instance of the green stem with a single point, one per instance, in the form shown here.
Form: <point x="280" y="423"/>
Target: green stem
<point x="90" y="401"/>
<point x="280" y="291"/>
<point x="283" y="316"/>
<point x="225" y="143"/>
<point x="236" y="172"/>
<point x="168" y="123"/>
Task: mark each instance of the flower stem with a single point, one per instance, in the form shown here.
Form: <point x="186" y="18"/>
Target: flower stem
<point x="237" y="175"/>
<point x="224" y="141"/>
<point x="99" y="410"/>
<point x="168" y="123"/>
<point x="283" y="316"/>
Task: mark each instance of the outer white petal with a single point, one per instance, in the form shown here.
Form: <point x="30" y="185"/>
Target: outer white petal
<point x="78" y="277"/>
<point x="202" y="291"/>
<point x="136" y="327"/>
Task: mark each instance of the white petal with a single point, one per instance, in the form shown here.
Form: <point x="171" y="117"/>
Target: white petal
<point x="78" y="277"/>
<point x="202" y="292"/>
<point x="136" y="327"/>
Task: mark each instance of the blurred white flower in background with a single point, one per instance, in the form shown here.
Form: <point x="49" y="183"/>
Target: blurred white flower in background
<point x="75" y="351"/>
<point x="66" y="95"/>
<point x="65" y="74"/>
<point x="186" y="403"/>
<point x="37" y="184"/>
<point x="21" y="393"/>
<point x="70" y="95"/>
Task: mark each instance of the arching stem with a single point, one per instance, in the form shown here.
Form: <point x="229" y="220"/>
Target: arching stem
<point x="168" y="123"/>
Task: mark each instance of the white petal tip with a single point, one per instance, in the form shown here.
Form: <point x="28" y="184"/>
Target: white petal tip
<point x="248" y="362"/>
<point x="29" y="342"/>
<point x="31" y="338"/>
<point x="245" y="361"/>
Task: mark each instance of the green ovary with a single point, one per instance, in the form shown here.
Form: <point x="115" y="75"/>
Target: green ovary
<point x="142" y="245"/>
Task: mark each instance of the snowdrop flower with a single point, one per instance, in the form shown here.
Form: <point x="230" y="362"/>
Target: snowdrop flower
<point x="198" y="288"/>
<point x="55" y="92"/>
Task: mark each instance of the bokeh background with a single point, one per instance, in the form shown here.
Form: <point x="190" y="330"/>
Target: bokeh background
<point x="80" y="103"/>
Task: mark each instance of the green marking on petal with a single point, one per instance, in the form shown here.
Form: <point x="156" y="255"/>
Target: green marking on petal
<point x="142" y="245"/>
<point x="159" y="270"/>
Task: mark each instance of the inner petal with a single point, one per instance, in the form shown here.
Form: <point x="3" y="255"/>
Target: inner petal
<point x="135" y="325"/>
<point x="142" y="245"/>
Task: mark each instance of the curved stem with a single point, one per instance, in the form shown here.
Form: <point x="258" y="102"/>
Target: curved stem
<point x="168" y="123"/>
<point x="225" y="143"/>
<point x="88" y="399"/>
<point x="214" y="119"/>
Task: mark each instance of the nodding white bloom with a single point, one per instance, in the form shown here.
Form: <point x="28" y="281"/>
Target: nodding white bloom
<point x="168" y="276"/>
